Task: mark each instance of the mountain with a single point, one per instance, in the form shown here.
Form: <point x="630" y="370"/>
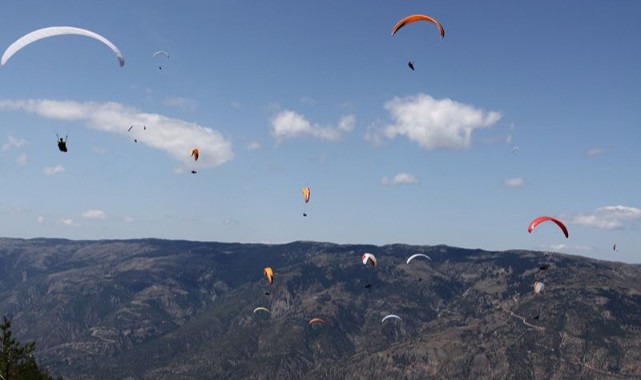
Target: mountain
<point x="165" y="309"/>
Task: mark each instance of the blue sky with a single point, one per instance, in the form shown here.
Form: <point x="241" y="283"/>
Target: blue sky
<point x="523" y="109"/>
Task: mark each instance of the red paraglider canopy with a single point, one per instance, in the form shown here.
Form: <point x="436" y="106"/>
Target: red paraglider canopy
<point x="542" y="219"/>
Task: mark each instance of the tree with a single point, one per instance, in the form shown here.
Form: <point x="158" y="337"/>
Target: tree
<point x="16" y="360"/>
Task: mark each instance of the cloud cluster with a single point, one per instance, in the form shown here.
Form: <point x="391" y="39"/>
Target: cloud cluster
<point x="174" y="136"/>
<point x="289" y="124"/>
<point x="433" y="123"/>
<point x="12" y="142"/>
<point x="94" y="214"/>
<point x="607" y="218"/>
<point x="514" y="182"/>
<point x="52" y="170"/>
<point x="399" y="179"/>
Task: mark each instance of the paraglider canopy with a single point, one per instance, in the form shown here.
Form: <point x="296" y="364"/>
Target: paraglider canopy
<point x="538" y="287"/>
<point x="411" y="65"/>
<point x="57" y="31"/>
<point x="269" y="273"/>
<point x="194" y="154"/>
<point x="418" y="255"/>
<point x="307" y="192"/>
<point x="414" y="18"/>
<point x="316" y="320"/>
<point x="542" y="219"/>
<point x="369" y="258"/>
<point x="261" y="308"/>
<point x="391" y="316"/>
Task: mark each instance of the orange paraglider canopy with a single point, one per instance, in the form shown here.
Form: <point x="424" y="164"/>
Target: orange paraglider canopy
<point x="316" y="320"/>
<point x="414" y="18"/>
<point x="194" y="154"/>
<point x="269" y="273"/>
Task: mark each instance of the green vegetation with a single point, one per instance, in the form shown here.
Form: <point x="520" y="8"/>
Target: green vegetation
<point x="17" y="361"/>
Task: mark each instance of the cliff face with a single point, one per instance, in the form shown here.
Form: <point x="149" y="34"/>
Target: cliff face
<point x="177" y="309"/>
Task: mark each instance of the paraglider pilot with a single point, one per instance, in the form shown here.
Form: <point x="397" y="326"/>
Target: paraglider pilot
<point x="62" y="143"/>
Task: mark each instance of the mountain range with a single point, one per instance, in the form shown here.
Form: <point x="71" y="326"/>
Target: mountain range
<point x="169" y="309"/>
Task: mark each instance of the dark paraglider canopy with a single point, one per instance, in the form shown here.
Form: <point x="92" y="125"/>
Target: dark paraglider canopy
<point x="411" y="65"/>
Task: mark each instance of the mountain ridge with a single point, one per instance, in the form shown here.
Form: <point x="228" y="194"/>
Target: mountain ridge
<point x="96" y="307"/>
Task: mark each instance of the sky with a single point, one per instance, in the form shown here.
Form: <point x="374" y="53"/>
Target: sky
<point x="523" y="109"/>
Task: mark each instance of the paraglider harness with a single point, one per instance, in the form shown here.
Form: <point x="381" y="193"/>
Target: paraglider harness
<point x="62" y="144"/>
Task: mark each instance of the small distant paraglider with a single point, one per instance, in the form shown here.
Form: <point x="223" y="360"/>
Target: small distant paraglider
<point x="515" y="149"/>
<point x="316" y="320"/>
<point x="418" y="255"/>
<point x="411" y="65"/>
<point x="261" y="308"/>
<point x="538" y="287"/>
<point x="536" y="221"/>
<point x="307" y="192"/>
<point x="391" y="316"/>
<point x="137" y="126"/>
<point x="160" y="53"/>
<point x="369" y="258"/>
<point x="269" y="273"/>
<point x="614" y="247"/>
<point x="194" y="154"/>
<point x="62" y="143"/>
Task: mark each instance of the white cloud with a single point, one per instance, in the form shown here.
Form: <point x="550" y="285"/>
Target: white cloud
<point x="94" y="214"/>
<point x="400" y="179"/>
<point x="596" y="151"/>
<point x="434" y="123"/>
<point x="21" y="160"/>
<point x="607" y="218"/>
<point x="52" y="170"/>
<point x="289" y="124"/>
<point x="174" y="136"/>
<point x="566" y="248"/>
<point x="12" y="142"/>
<point x="307" y="100"/>
<point x="67" y="222"/>
<point x="182" y="103"/>
<point x="41" y="219"/>
<point x="253" y="145"/>
<point x="230" y="221"/>
<point x="514" y="182"/>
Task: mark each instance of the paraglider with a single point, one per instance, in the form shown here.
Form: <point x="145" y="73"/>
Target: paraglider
<point x="194" y="154"/>
<point x="57" y="31"/>
<point x="538" y="287"/>
<point x="307" y="192"/>
<point x="411" y="65"/>
<point x="391" y="316"/>
<point x="614" y="247"/>
<point x="160" y="52"/>
<point x="418" y="255"/>
<point x="316" y="320"/>
<point x="269" y="273"/>
<point x="515" y="149"/>
<point x="413" y="18"/>
<point x="542" y="219"/>
<point x="62" y="143"/>
<point x="261" y="308"/>
<point x="144" y="128"/>
<point x="369" y="258"/>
